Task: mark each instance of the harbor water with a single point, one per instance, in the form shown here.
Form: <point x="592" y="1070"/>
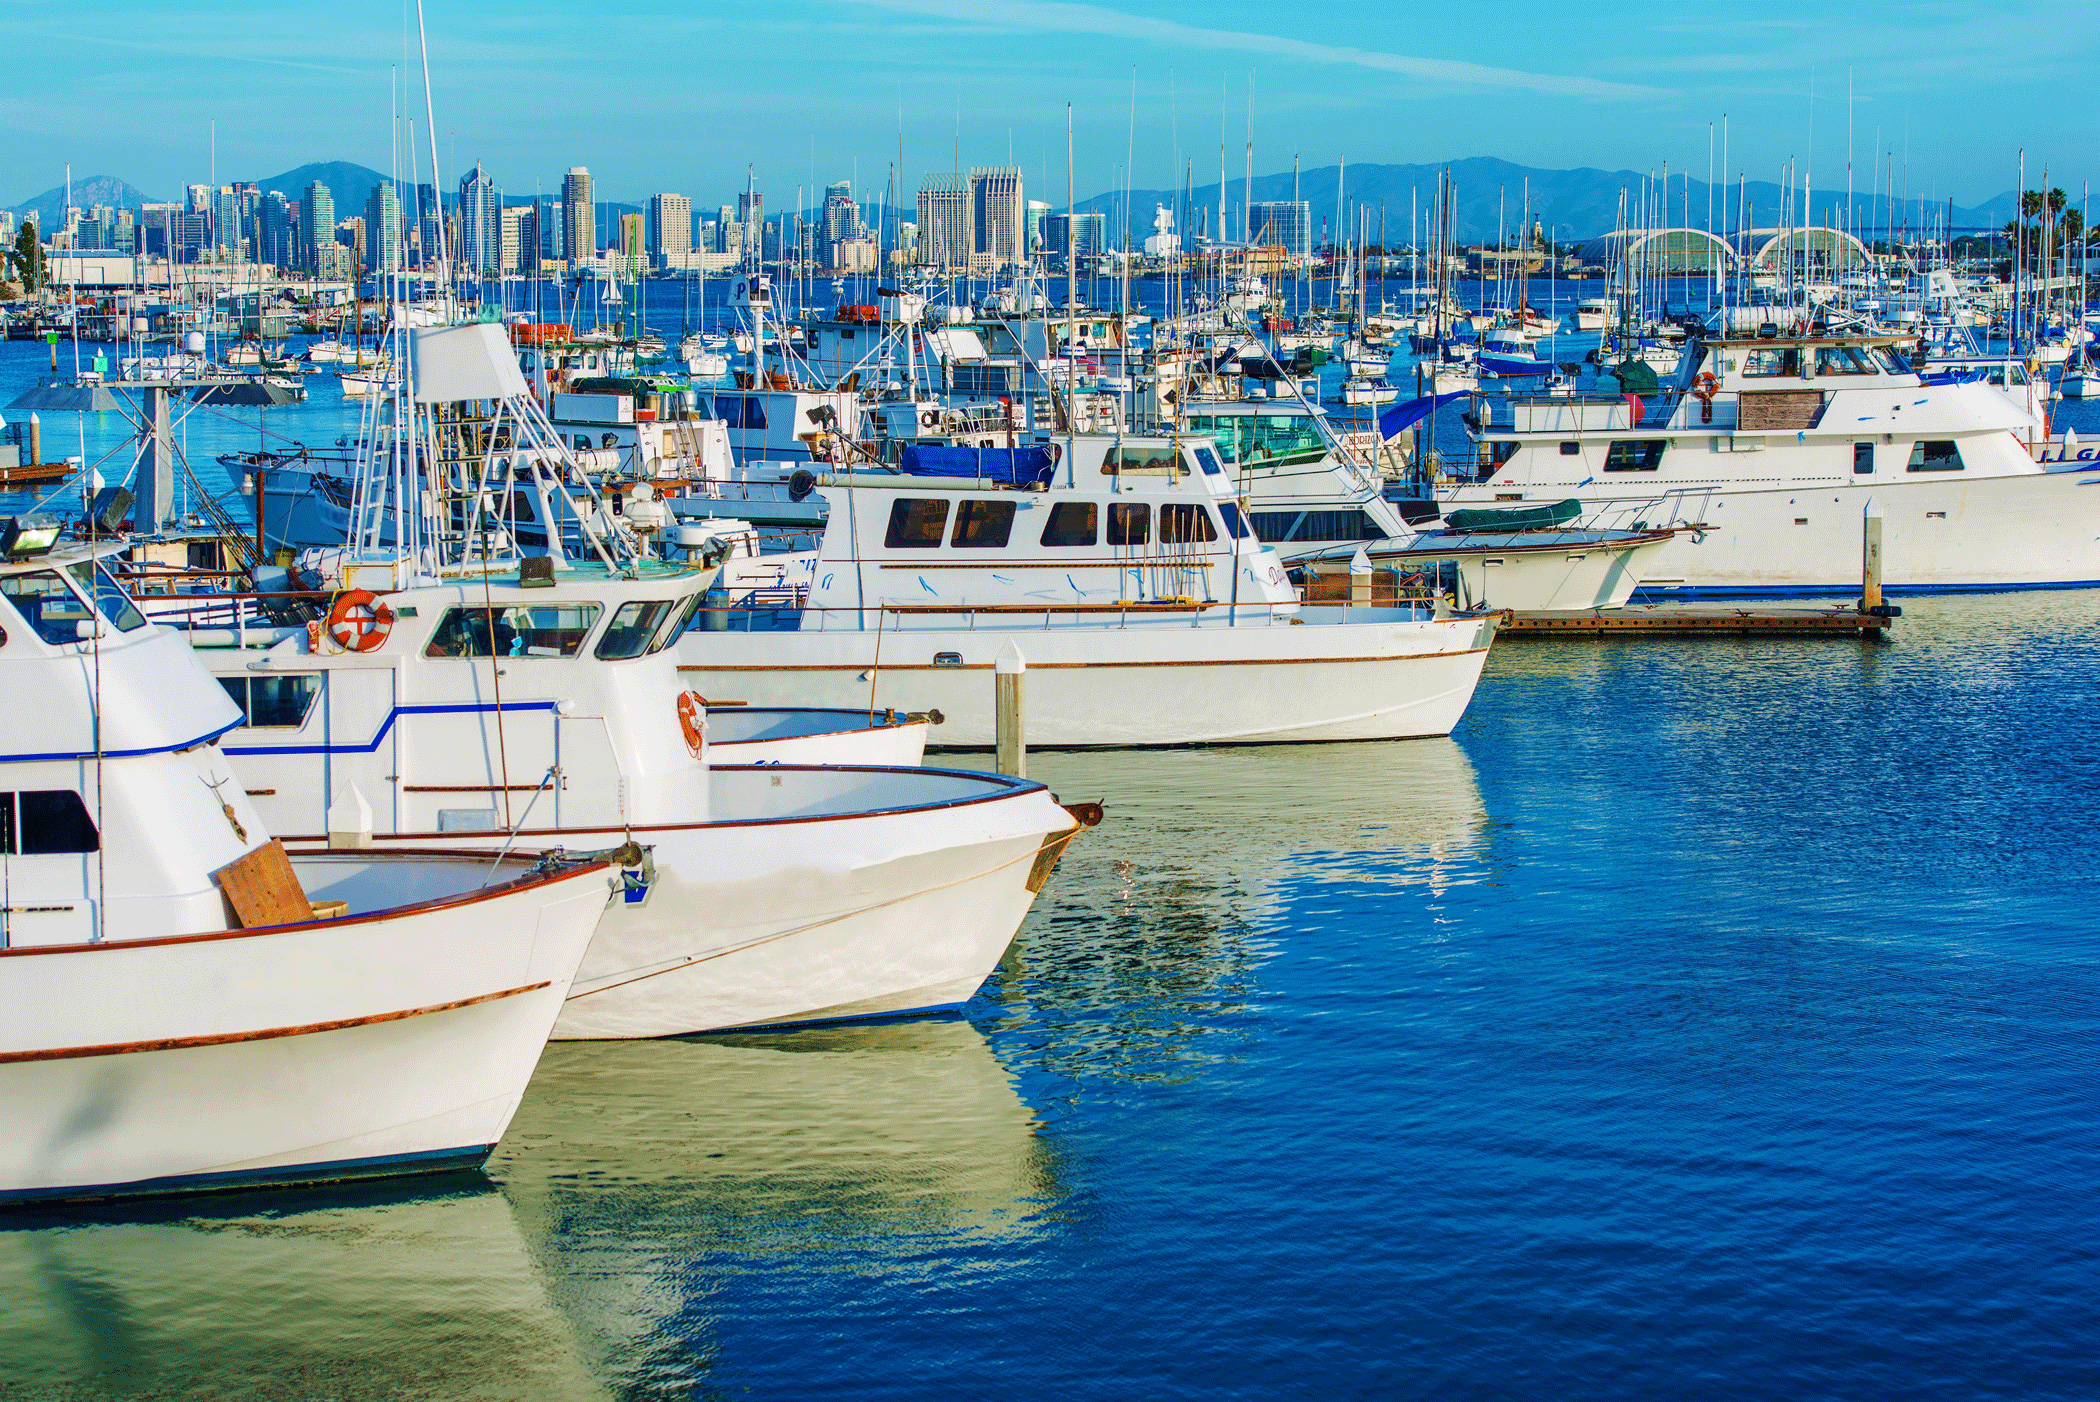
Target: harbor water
<point x="1708" y="1018"/>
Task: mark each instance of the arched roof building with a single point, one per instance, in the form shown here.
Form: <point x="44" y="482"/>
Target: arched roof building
<point x="1811" y="251"/>
<point x="1661" y="251"/>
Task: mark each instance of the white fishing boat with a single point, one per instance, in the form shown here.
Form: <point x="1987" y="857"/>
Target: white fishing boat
<point x="1529" y="570"/>
<point x="1786" y="441"/>
<point x="1360" y="391"/>
<point x="181" y="1007"/>
<point x="466" y="691"/>
<point x="1145" y="609"/>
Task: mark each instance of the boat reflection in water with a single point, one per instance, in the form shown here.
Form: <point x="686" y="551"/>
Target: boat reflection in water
<point x="407" y="1291"/>
<point x="1157" y="930"/>
<point x="651" y="1175"/>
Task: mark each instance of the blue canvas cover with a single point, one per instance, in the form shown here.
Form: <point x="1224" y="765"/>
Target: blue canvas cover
<point x="1402" y="417"/>
<point x="1019" y="467"/>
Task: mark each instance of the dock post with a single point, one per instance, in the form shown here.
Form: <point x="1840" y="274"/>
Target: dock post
<point x="1010" y="676"/>
<point x="1870" y="560"/>
<point x="36" y="440"/>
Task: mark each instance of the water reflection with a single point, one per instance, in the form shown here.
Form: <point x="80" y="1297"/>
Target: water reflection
<point x="649" y="1175"/>
<point x="418" y="1291"/>
<point x="1146" y="947"/>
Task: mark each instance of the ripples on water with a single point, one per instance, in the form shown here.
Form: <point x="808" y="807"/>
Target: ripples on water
<point x="1704" y="1018"/>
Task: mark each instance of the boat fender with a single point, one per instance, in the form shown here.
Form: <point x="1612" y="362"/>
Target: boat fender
<point x="692" y="722"/>
<point x="358" y="622"/>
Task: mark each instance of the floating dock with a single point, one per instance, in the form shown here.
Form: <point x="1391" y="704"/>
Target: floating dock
<point x="1696" y="620"/>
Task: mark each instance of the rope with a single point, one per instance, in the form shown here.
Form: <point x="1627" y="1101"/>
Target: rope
<point x="828" y="920"/>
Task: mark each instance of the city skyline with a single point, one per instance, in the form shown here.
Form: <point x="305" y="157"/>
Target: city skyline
<point x="986" y="85"/>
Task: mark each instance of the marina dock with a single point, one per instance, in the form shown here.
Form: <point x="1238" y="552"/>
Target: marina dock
<point x="1698" y="620"/>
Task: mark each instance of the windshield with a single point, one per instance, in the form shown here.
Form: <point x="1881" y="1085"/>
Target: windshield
<point x="54" y="611"/>
<point x="109" y="596"/>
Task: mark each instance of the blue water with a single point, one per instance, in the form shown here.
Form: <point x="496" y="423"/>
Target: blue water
<point x="1708" y="1018"/>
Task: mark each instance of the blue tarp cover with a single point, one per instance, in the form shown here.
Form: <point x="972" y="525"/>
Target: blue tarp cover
<point x="1017" y="466"/>
<point x="1402" y="417"/>
<point x="1513" y="365"/>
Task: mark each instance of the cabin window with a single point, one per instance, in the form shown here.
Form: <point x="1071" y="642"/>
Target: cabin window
<point x="916" y="523"/>
<point x="1635" y="455"/>
<point x="1155" y="462"/>
<point x="1569" y="450"/>
<point x="1129" y="523"/>
<point x="41" y="821"/>
<point x="1767" y="361"/>
<point x="1208" y="461"/>
<point x="1934" y="455"/>
<point x="740" y="410"/>
<point x="1276" y="525"/>
<point x="1071" y="523"/>
<point x="1185" y="524"/>
<point x="982" y="525"/>
<point x="274" y="703"/>
<point x="2016" y="374"/>
<point x="634" y="624"/>
<point x="1337" y="525"/>
<point x="47" y="605"/>
<point x="1500" y="453"/>
<point x="521" y="507"/>
<point x="109" y="596"/>
<point x="1890" y="361"/>
<point x="1862" y="458"/>
<point x="1234" y="526"/>
<point x="1842" y="360"/>
<point x="516" y="630"/>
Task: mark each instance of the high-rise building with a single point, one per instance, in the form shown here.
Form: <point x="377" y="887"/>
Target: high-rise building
<point x="1034" y="224"/>
<point x="580" y="224"/>
<point x="274" y="230"/>
<point x="1080" y="235"/>
<point x="751" y="216"/>
<point x="841" y="214"/>
<point x="199" y="199"/>
<point x="669" y="235"/>
<point x="550" y="227"/>
<point x="383" y="241"/>
<point x="480" y="224"/>
<point x="1285" y="224"/>
<point x="629" y="239"/>
<point x="999" y="214"/>
<point x="319" y="255"/>
<point x="226" y="219"/>
<point x="946" y="236"/>
<point x="515" y="243"/>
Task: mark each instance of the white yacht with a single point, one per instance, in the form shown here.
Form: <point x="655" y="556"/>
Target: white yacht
<point x="1785" y="441"/>
<point x="1145" y="609"/>
<point x="181" y="1007"/>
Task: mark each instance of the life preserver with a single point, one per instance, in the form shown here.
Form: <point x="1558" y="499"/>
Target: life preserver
<point x="358" y="622"/>
<point x="1705" y="385"/>
<point x="930" y="419"/>
<point x="692" y="721"/>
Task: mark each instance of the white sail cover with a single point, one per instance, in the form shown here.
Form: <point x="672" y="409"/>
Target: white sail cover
<point x="465" y="362"/>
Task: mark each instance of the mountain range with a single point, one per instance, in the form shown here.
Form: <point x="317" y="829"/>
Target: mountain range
<point x="1571" y="204"/>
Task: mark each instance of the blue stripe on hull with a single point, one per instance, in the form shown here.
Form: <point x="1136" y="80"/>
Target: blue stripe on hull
<point x="899" y="1015"/>
<point x="1842" y="591"/>
<point x="337" y="1171"/>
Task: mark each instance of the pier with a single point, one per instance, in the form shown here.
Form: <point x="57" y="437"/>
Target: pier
<point x="1698" y="620"/>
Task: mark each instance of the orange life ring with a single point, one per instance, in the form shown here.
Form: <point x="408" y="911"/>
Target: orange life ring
<point x="1705" y="385"/>
<point x="358" y="622"/>
<point x="692" y="720"/>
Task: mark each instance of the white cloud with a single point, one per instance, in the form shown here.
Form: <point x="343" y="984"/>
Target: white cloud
<point x="1095" y="19"/>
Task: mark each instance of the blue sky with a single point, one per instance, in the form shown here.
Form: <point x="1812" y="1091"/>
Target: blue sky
<point x="653" y="95"/>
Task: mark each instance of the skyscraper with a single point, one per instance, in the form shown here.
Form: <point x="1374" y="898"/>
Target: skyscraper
<point x="515" y="244"/>
<point x="320" y="245"/>
<point x="670" y="231"/>
<point x="841" y="214"/>
<point x="1286" y="224"/>
<point x="383" y="229"/>
<point x="480" y="223"/>
<point x="946" y="237"/>
<point x="999" y="214"/>
<point x="274" y="224"/>
<point x="580" y="230"/>
<point x="430" y="225"/>
<point x="226" y="219"/>
<point x="550" y="226"/>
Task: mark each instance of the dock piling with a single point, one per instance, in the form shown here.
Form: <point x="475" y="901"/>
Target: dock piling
<point x="1010" y="676"/>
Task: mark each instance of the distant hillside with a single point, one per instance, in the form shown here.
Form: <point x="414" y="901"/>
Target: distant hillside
<point x="49" y="207"/>
<point x="1572" y="204"/>
<point x="349" y="183"/>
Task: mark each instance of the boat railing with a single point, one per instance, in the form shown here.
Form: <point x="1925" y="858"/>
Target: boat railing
<point x="758" y="615"/>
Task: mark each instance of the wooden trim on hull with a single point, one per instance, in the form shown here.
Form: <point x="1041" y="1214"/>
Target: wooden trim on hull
<point x="263" y="1035"/>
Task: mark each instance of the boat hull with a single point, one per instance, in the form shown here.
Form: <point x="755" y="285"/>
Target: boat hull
<point x="1156" y="684"/>
<point x="356" y="1047"/>
<point x="813" y="895"/>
